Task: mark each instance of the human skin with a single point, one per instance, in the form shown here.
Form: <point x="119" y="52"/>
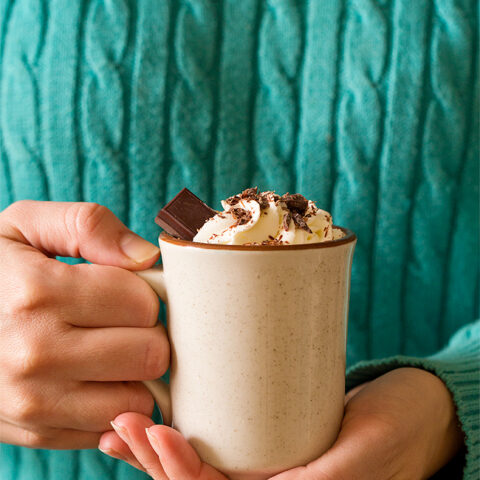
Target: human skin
<point x="400" y="426"/>
<point x="75" y="341"/>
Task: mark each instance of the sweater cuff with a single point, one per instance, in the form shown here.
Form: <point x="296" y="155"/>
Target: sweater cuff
<point x="458" y="365"/>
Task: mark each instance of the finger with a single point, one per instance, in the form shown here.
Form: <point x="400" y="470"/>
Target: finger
<point x="106" y="296"/>
<point x="178" y="458"/>
<point x="78" y="229"/>
<point x="111" y="442"/>
<point x="351" y="393"/>
<point x="112" y="445"/>
<point x="59" y="439"/>
<point x="117" y="354"/>
<point x="82" y="295"/>
<point x="362" y="447"/>
<point x="131" y="428"/>
<point x="93" y="405"/>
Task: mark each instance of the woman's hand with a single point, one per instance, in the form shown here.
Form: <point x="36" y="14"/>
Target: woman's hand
<point x="74" y="340"/>
<point x="401" y="426"/>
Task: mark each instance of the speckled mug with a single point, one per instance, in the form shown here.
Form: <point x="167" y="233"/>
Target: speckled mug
<point x="258" y="337"/>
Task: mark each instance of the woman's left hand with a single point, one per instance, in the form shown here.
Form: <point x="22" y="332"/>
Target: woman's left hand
<point x="402" y="425"/>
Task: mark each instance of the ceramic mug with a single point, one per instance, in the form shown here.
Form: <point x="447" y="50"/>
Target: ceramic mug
<point x="258" y="339"/>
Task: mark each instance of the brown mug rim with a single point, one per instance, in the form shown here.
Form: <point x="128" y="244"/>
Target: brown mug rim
<point x="349" y="237"/>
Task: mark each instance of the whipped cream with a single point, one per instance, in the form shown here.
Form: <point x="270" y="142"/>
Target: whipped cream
<point x="265" y="218"/>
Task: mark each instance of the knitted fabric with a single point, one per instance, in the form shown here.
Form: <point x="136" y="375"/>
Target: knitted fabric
<point x="368" y="107"/>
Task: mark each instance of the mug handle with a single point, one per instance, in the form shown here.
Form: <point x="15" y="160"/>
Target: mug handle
<point x="158" y="388"/>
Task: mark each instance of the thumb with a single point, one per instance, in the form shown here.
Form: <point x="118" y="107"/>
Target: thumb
<point x="80" y="229"/>
<point x="363" y="448"/>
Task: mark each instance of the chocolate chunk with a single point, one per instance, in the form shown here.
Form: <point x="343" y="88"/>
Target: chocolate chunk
<point x="295" y="203"/>
<point x="184" y="215"/>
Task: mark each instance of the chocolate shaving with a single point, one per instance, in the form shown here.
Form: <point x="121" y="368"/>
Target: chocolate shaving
<point x="242" y="216"/>
<point x="263" y="202"/>
<point x="286" y="221"/>
<point x="295" y="206"/>
<point x="274" y="242"/>
<point x="232" y="200"/>
<point x="271" y="196"/>
<point x="300" y="222"/>
<point x="261" y="198"/>
<point x="249" y="194"/>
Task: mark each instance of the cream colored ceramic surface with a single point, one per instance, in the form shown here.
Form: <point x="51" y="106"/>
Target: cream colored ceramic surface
<point x="258" y="352"/>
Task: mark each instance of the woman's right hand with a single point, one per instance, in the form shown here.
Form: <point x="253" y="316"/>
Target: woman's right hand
<point x="75" y="341"/>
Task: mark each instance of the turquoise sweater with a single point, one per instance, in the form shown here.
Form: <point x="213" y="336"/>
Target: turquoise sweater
<point x="368" y="107"/>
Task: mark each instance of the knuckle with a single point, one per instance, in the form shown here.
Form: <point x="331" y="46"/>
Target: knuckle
<point x="157" y="355"/>
<point x="144" y="302"/>
<point x="150" y="465"/>
<point x="35" y="439"/>
<point x="139" y="399"/>
<point x="27" y="411"/>
<point x="86" y="218"/>
<point x="30" y="359"/>
<point x="383" y="430"/>
<point x="382" y="426"/>
<point x="29" y="296"/>
<point x="9" y="216"/>
<point x="150" y="307"/>
<point x="16" y="208"/>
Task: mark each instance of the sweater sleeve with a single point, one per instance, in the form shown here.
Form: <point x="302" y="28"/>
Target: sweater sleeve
<point x="458" y="365"/>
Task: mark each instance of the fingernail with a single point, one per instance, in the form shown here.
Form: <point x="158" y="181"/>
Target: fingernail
<point x="122" y="431"/>
<point x="137" y="249"/>
<point x="112" y="453"/>
<point x="152" y="438"/>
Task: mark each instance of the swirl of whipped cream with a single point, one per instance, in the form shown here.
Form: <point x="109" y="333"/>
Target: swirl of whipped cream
<point x="253" y="218"/>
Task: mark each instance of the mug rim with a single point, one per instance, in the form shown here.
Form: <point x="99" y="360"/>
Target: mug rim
<point x="349" y="237"/>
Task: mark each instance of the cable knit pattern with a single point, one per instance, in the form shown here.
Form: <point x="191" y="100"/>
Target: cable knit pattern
<point x="21" y="126"/>
<point x="147" y="122"/>
<point x="59" y="125"/>
<point x="315" y="161"/>
<point x="277" y="108"/>
<point x="193" y="101"/>
<point x="399" y="165"/>
<point x="443" y="154"/>
<point x="462" y="282"/>
<point x="465" y="209"/>
<point x="236" y="97"/>
<point x="359" y="146"/>
<point x="6" y="190"/>
<point x="369" y="107"/>
<point x="106" y="36"/>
